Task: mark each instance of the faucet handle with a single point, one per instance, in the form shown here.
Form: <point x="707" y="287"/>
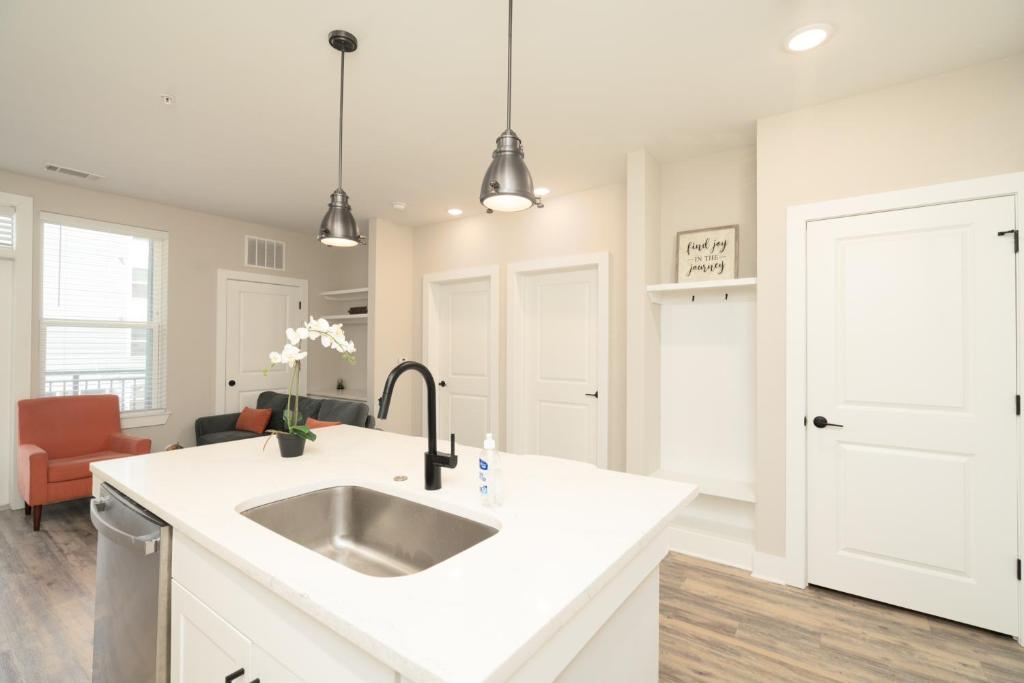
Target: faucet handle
<point x="452" y="451"/>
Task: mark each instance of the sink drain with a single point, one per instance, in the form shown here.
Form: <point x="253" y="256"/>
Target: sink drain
<point x="401" y="477"/>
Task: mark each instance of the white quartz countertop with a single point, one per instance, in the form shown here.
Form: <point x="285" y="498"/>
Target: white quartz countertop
<point x="566" y="529"/>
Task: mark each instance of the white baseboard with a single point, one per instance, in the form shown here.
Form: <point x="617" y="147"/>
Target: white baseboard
<point x="714" y="548"/>
<point x="772" y="568"/>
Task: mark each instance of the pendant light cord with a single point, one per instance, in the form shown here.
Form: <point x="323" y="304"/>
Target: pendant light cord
<point x="508" y="94"/>
<point x="341" y="117"/>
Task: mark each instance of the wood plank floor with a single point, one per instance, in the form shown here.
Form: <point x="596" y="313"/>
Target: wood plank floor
<point x="717" y="623"/>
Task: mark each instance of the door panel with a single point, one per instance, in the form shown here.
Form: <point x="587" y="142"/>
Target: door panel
<point x="204" y="647"/>
<point x="560" y="364"/>
<point x="460" y="343"/>
<point x="911" y="348"/>
<point x="257" y="315"/>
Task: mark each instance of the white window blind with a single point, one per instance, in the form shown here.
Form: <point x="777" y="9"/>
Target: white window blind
<point x="7" y="227"/>
<point x="103" y="327"/>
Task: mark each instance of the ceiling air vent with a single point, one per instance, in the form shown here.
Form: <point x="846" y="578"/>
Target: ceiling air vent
<point x="264" y="253"/>
<point x="54" y="168"/>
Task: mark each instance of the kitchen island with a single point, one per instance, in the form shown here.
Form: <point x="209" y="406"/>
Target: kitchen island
<point x="566" y="589"/>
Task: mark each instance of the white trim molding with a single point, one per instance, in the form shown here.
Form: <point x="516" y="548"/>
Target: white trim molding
<point x="491" y="274"/>
<point x="514" y="351"/>
<point x="774" y="568"/>
<point x="223" y="275"/>
<point x="147" y="418"/>
<point x="711" y="547"/>
<point x="21" y="337"/>
<point x="793" y="568"/>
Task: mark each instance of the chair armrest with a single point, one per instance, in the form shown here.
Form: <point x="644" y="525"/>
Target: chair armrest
<point x="133" y="445"/>
<point x="216" y="423"/>
<point x="33" y="462"/>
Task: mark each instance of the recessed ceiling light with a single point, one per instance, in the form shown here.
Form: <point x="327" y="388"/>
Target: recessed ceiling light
<point x="808" y="37"/>
<point x="398" y="206"/>
<point x="454" y="212"/>
<point x="541" y="191"/>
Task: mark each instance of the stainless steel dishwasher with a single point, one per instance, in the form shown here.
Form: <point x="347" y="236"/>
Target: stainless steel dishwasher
<point x="131" y="641"/>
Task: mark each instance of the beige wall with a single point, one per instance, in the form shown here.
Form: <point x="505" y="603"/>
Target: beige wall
<point x="199" y="245"/>
<point x="391" y="313"/>
<point x="583" y="222"/>
<point x="959" y="125"/>
<point x="705" y="192"/>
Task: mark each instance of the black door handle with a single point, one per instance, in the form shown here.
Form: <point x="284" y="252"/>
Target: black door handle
<point x="593" y="394"/>
<point x="442" y="383"/>
<point x="821" y="422"/>
<point x="231" y="382"/>
<point x="234" y="675"/>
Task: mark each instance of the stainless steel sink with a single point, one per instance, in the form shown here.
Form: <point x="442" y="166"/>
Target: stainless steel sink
<point x="369" y="531"/>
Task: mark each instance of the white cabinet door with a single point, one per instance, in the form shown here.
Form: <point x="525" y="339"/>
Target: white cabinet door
<point x="911" y="349"/>
<point x="257" y="315"/>
<point x="204" y="647"/>
<point x="271" y="670"/>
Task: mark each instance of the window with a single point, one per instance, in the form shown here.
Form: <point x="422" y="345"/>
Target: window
<point x="7" y="227"/>
<point x="103" y="328"/>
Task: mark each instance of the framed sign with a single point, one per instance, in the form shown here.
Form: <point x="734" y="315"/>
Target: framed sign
<point x="708" y="254"/>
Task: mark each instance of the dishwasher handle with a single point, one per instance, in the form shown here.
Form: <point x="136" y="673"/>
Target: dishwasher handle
<point x="149" y="541"/>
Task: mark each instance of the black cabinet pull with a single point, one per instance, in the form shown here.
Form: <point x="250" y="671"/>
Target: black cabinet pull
<point x="821" y="422"/>
<point x="231" y="382"/>
<point x="593" y="394"/>
<point x="234" y="675"/>
<point x="442" y="383"/>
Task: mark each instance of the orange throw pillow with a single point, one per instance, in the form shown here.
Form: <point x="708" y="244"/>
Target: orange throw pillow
<point x="253" y="420"/>
<point x="317" y="424"/>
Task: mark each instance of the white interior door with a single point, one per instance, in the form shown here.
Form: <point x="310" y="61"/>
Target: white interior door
<point x="559" y="341"/>
<point x="911" y="348"/>
<point x="461" y="353"/>
<point x="257" y="314"/>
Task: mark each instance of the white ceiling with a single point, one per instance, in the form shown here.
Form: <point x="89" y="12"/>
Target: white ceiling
<point x="253" y="132"/>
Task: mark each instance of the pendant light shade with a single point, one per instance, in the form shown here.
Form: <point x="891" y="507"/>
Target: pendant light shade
<point x="338" y="227"/>
<point x="507" y="184"/>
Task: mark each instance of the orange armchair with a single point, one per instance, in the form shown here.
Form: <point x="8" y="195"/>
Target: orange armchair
<point x="59" y="437"/>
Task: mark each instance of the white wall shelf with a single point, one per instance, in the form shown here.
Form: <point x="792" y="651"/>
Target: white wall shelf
<point x="679" y="292"/>
<point x="354" y="318"/>
<point x="712" y="486"/>
<point x="358" y="294"/>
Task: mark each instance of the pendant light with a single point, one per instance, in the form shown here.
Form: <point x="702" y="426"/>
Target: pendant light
<point x="507" y="185"/>
<point x="338" y="228"/>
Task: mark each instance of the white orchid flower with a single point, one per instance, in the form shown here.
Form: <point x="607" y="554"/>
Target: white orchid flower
<point x="291" y="354"/>
<point x="275" y="358"/>
<point x="293" y="336"/>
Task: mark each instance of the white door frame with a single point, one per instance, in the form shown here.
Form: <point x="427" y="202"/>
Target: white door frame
<point x="21" y="327"/>
<point x="220" y="372"/>
<point x="430" y="283"/>
<point x="514" y="354"/>
<point x="798" y="218"/>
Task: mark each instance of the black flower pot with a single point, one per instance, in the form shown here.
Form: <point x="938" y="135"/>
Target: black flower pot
<point x="291" y="446"/>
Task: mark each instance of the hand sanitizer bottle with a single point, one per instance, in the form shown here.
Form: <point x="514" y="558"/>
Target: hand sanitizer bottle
<point x="490" y="473"/>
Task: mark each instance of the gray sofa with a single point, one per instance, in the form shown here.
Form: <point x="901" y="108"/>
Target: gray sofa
<point x="221" y="428"/>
